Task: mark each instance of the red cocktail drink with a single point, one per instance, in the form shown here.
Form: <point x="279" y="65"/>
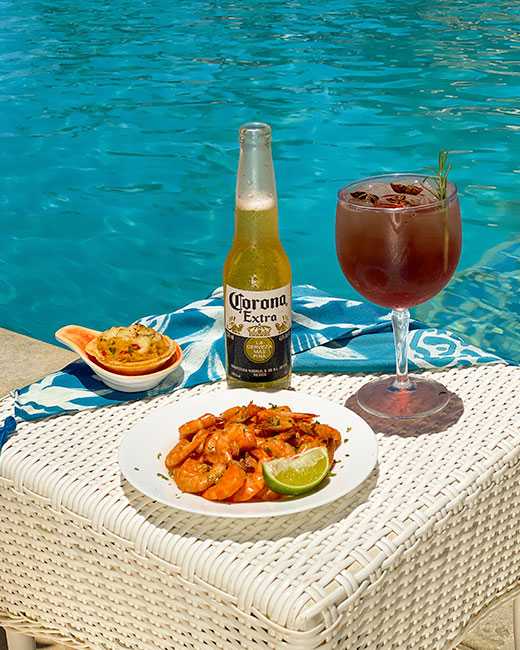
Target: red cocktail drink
<point x="398" y="244"/>
<point x="397" y="255"/>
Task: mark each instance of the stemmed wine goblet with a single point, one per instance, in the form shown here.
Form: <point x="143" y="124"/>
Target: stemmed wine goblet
<point x="398" y="241"/>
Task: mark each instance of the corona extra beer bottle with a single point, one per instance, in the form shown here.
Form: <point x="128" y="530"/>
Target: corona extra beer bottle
<point x="257" y="274"/>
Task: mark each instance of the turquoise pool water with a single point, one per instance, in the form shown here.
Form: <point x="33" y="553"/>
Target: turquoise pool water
<point x="118" y="126"/>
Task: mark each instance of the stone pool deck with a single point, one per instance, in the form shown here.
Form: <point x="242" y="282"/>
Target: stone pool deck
<point x="23" y="359"/>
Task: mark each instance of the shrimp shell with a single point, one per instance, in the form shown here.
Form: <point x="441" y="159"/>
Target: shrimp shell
<point x="192" y="476"/>
<point x="253" y="484"/>
<point x="229" y="483"/>
<point x="191" y="427"/>
<point x="184" y="448"/>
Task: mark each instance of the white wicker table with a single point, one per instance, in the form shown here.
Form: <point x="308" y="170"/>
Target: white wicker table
<point x="408" y="562"/>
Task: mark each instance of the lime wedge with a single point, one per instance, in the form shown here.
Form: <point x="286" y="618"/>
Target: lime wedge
<point x="297" y="474"/>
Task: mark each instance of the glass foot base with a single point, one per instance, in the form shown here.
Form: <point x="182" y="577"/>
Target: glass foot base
<point x="423" y="398"/>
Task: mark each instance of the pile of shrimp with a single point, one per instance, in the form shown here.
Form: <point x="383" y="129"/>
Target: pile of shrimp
<point x="220" y="457"/>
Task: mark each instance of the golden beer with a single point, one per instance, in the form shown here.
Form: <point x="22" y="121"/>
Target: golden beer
<point x="257" y="274"/>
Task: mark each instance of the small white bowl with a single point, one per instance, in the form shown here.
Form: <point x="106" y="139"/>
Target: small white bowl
<point x="123" y="383"/>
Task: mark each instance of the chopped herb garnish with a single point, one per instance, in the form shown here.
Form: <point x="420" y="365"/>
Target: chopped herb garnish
<point x="136" y="469"/>
<point x="166" y="478"/>
<point x="332" y="474"/>
<point x="349" y="429"/>
<point x="159" y="455"/>
<point x="345" y="439"/>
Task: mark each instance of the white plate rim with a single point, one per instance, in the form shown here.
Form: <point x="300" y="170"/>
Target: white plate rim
<point x="350" y="454"/>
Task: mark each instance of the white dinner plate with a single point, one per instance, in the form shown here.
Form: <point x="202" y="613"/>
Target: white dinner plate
<point x="144" y="448"/>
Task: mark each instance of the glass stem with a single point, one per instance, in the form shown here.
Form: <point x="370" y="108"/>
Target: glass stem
<point x="400" y="323"/>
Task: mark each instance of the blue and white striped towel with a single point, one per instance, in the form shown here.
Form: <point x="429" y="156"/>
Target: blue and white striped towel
<point x="329" y="335"/>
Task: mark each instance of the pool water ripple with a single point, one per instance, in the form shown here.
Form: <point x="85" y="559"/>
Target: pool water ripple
<point x="118" y="127"/>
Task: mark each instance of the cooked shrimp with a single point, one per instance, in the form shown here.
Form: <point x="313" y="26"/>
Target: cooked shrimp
<point x="240" y="413"/>
<point x="191" y="427"/>
<point x="276" y="447"/>
<point x="330" y="436"/>
<point x="195" y="477"/>
<point x="309" y="442"/>
<point x="240" y="436"/>
<point x="306" y="427"/>
<point x="229" y="483"/>
<point x="225" y="444"/>
<point x="248" y="462"/>
<point x="303" y="416"/>
<point x="216" y="449"/>
<point x="324" y="432"/>
<point x="232" y="412"/>
<point x="184" y="448"/>
<point x="253" y="484"/>
<point x="276" y="424"/>
<point x="331" y="448"/>
<point x="221" y="457"/>
<point x="266" y="494"/>
<point x="287" y="435"/>
<point x="266" y="413"/>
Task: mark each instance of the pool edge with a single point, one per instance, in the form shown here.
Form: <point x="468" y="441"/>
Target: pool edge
<point x="24" y="359"/>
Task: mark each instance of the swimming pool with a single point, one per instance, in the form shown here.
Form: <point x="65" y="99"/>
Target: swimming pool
<point x="119" y="142"/>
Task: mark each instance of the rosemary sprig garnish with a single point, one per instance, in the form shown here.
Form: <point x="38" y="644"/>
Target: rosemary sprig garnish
<point x="440" y="192"/>
<point x="440" y="180"/>
<point x="442" y="175"/>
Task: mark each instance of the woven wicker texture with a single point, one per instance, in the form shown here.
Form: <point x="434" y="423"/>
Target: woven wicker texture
<point x="429" y="540"/>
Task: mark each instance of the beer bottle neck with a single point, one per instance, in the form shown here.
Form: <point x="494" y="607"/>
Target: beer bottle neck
<point x="256" y="215"/>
